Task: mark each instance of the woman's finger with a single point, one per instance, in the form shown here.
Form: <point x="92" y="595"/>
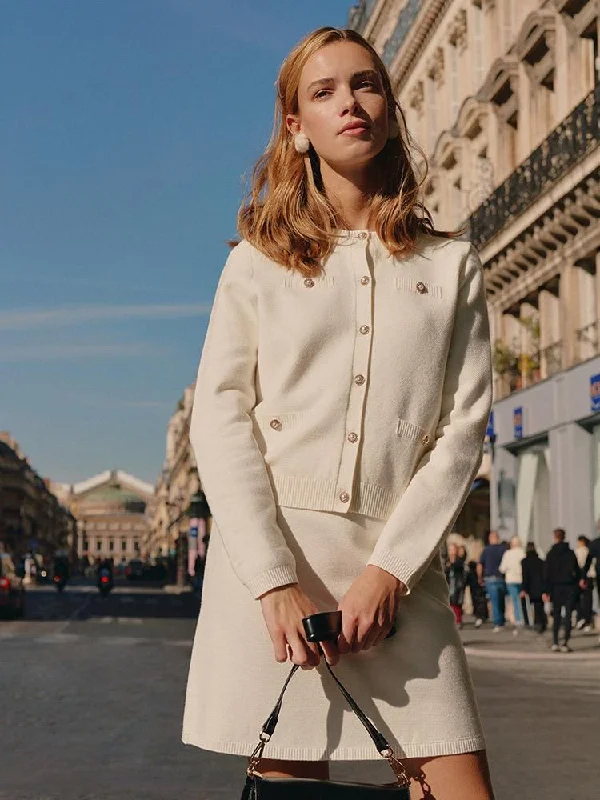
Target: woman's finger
<point x="331" y="652"/>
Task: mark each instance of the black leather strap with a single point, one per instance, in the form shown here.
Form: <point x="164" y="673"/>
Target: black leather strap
<point x="378" y="738"/>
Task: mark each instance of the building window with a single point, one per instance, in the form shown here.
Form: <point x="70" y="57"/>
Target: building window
<point x="136" y="546"/>
<point x="124" y="545"/>
<point x="111" y="545"/>
<point x="85" y="545"/>
<point x="99" y="545"/>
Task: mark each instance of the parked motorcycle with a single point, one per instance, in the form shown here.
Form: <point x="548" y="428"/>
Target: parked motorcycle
<point x="60" y="581"/>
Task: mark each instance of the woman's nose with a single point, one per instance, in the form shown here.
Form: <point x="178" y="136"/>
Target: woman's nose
<point x="349" y="105"/>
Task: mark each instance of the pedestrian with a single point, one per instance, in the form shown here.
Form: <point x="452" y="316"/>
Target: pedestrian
<point x="510" y="567"/>
<point x="592" y="566"/>
<point x="586" y="584"/>
<point x="562" y="576"/>
<point x="493" y="580"/>
<point x="478" y="595"/>
<point x="455" y="576"/>
<point x="532" y="569"/>
<point x="340" y="406"/>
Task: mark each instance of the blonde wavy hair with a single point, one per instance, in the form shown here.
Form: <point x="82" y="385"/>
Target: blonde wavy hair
<point x="287" y="215"/>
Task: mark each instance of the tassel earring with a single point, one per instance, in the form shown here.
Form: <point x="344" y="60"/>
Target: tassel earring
<point x="301" y="143"/>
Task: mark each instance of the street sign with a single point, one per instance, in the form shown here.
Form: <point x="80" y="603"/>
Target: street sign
<point x="595" y="393"/>
<point x="518" y="422"/>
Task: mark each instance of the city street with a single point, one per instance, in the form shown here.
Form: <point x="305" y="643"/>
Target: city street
<point x="93" y="692"/>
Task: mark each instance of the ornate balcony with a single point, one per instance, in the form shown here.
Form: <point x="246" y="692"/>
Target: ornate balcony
<point x="566" y="145"/>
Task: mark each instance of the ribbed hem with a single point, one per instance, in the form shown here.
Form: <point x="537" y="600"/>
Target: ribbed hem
<point x="271" y="579"/>
<point x="407" y="750"/>
<point x="394" y="565"/>
<point x="321" y="494"/>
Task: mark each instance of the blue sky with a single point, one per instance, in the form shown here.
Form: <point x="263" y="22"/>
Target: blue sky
<point x="127" y="127"/>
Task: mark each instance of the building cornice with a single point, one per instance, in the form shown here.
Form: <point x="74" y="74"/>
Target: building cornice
<point x="425" y="24"/>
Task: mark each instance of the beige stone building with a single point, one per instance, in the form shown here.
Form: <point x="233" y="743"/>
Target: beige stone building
<point x="32" y="517"/>
<point x="503" y="98"/>
<point x="176" y="485"/>
<point x="113" y="512"/>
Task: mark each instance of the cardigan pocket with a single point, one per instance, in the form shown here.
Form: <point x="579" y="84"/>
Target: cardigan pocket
<point x="409" y="430"/>
<point x="298" y="281"/>
<point x="276" y="432"/>
<point x="424" y="288"/>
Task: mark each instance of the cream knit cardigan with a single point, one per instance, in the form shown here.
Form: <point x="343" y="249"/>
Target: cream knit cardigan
<point x="367" y="389"/>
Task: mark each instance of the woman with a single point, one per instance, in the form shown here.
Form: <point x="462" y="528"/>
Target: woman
<point x="510" y="567"/>
<point x="586" y="590"/>
<point x="455" y="576"/>
<point x="533" y="586"/>
<point x="341" y="403"/>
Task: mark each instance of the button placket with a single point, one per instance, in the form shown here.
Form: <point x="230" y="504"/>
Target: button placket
<point x="363" y="286"/>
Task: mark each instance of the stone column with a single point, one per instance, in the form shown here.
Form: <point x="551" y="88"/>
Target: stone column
<point x="569" y="313"/>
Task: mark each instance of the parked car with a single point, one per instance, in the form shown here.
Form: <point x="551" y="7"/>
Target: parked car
<point x="12" y="589"/>
<point x="135" y="570"/>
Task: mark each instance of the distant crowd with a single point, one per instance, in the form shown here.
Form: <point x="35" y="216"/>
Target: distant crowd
<point x="563" y="584"/>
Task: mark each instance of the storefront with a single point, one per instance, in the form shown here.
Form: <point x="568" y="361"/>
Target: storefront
<point x="546" y="465"/>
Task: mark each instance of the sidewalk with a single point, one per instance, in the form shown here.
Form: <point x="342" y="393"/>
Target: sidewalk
<point x="525" y="644"/>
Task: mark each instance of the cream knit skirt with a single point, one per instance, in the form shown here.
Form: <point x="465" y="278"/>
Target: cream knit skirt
<point x="415" y="686"/>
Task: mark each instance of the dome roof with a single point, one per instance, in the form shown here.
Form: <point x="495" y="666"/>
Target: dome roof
<point x="114" y="496"/>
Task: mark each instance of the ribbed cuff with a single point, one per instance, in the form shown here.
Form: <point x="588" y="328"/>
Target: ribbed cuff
<point x="271" y="579"/>
<point x="386" y="560"/>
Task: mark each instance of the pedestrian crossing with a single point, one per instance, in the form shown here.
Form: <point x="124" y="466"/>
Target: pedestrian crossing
<point x="16" y="636"/>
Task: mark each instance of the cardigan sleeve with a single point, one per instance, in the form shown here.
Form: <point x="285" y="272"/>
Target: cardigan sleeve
<point x="231" y="467"/>
<point x="437" y="491"/>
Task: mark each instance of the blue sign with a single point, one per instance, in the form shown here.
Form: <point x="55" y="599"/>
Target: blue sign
<point x="595" y="393"/>
<point x="518" y="422"/>
<point x="490" y="427"/>
<point x="193" y="532"/>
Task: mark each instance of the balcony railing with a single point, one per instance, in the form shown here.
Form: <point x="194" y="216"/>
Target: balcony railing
<point x="567" y="144"/>
<point x="550" y="360"/>
<point x="587" y="341"/>
<point x="530" y="368"/>
<point x="405" y="21"/>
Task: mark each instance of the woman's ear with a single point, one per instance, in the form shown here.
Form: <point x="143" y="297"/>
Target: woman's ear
<point x="292" y="123"/>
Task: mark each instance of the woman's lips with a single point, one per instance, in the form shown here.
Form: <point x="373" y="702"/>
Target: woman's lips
<point x="357" y="131"/>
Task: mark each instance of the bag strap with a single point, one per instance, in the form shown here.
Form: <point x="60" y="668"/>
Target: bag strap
<point x="378" y="738"/>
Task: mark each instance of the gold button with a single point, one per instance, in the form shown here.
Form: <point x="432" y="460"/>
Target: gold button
<point x="362" y="235"/>
<point x="364" y="329"/>
<point x="309" y="283"/>
<point x="353" y="437"/>
<point x="359" y="380"/>
<point x="344" y="497"/>
<point x="365" y="280"/>
<point x="276" y="424"/>
<point x="421" y="288"/>
<point x="425" y="439"/>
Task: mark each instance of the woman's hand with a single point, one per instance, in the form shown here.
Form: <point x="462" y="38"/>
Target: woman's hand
<point x="283" y="609"/>
<point x="369" y="608"/>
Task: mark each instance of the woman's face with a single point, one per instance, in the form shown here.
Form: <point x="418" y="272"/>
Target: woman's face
<point x="342" y="106"/>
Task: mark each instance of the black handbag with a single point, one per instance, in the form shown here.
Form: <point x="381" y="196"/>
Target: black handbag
<point x="260" y="787"/>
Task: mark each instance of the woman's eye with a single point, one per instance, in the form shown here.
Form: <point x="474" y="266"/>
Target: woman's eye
<point x="321" y="93"/>
<point x="367" y="83"/>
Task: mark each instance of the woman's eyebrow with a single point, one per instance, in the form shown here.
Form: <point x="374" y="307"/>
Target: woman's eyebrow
<point x="365" y="73"/>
